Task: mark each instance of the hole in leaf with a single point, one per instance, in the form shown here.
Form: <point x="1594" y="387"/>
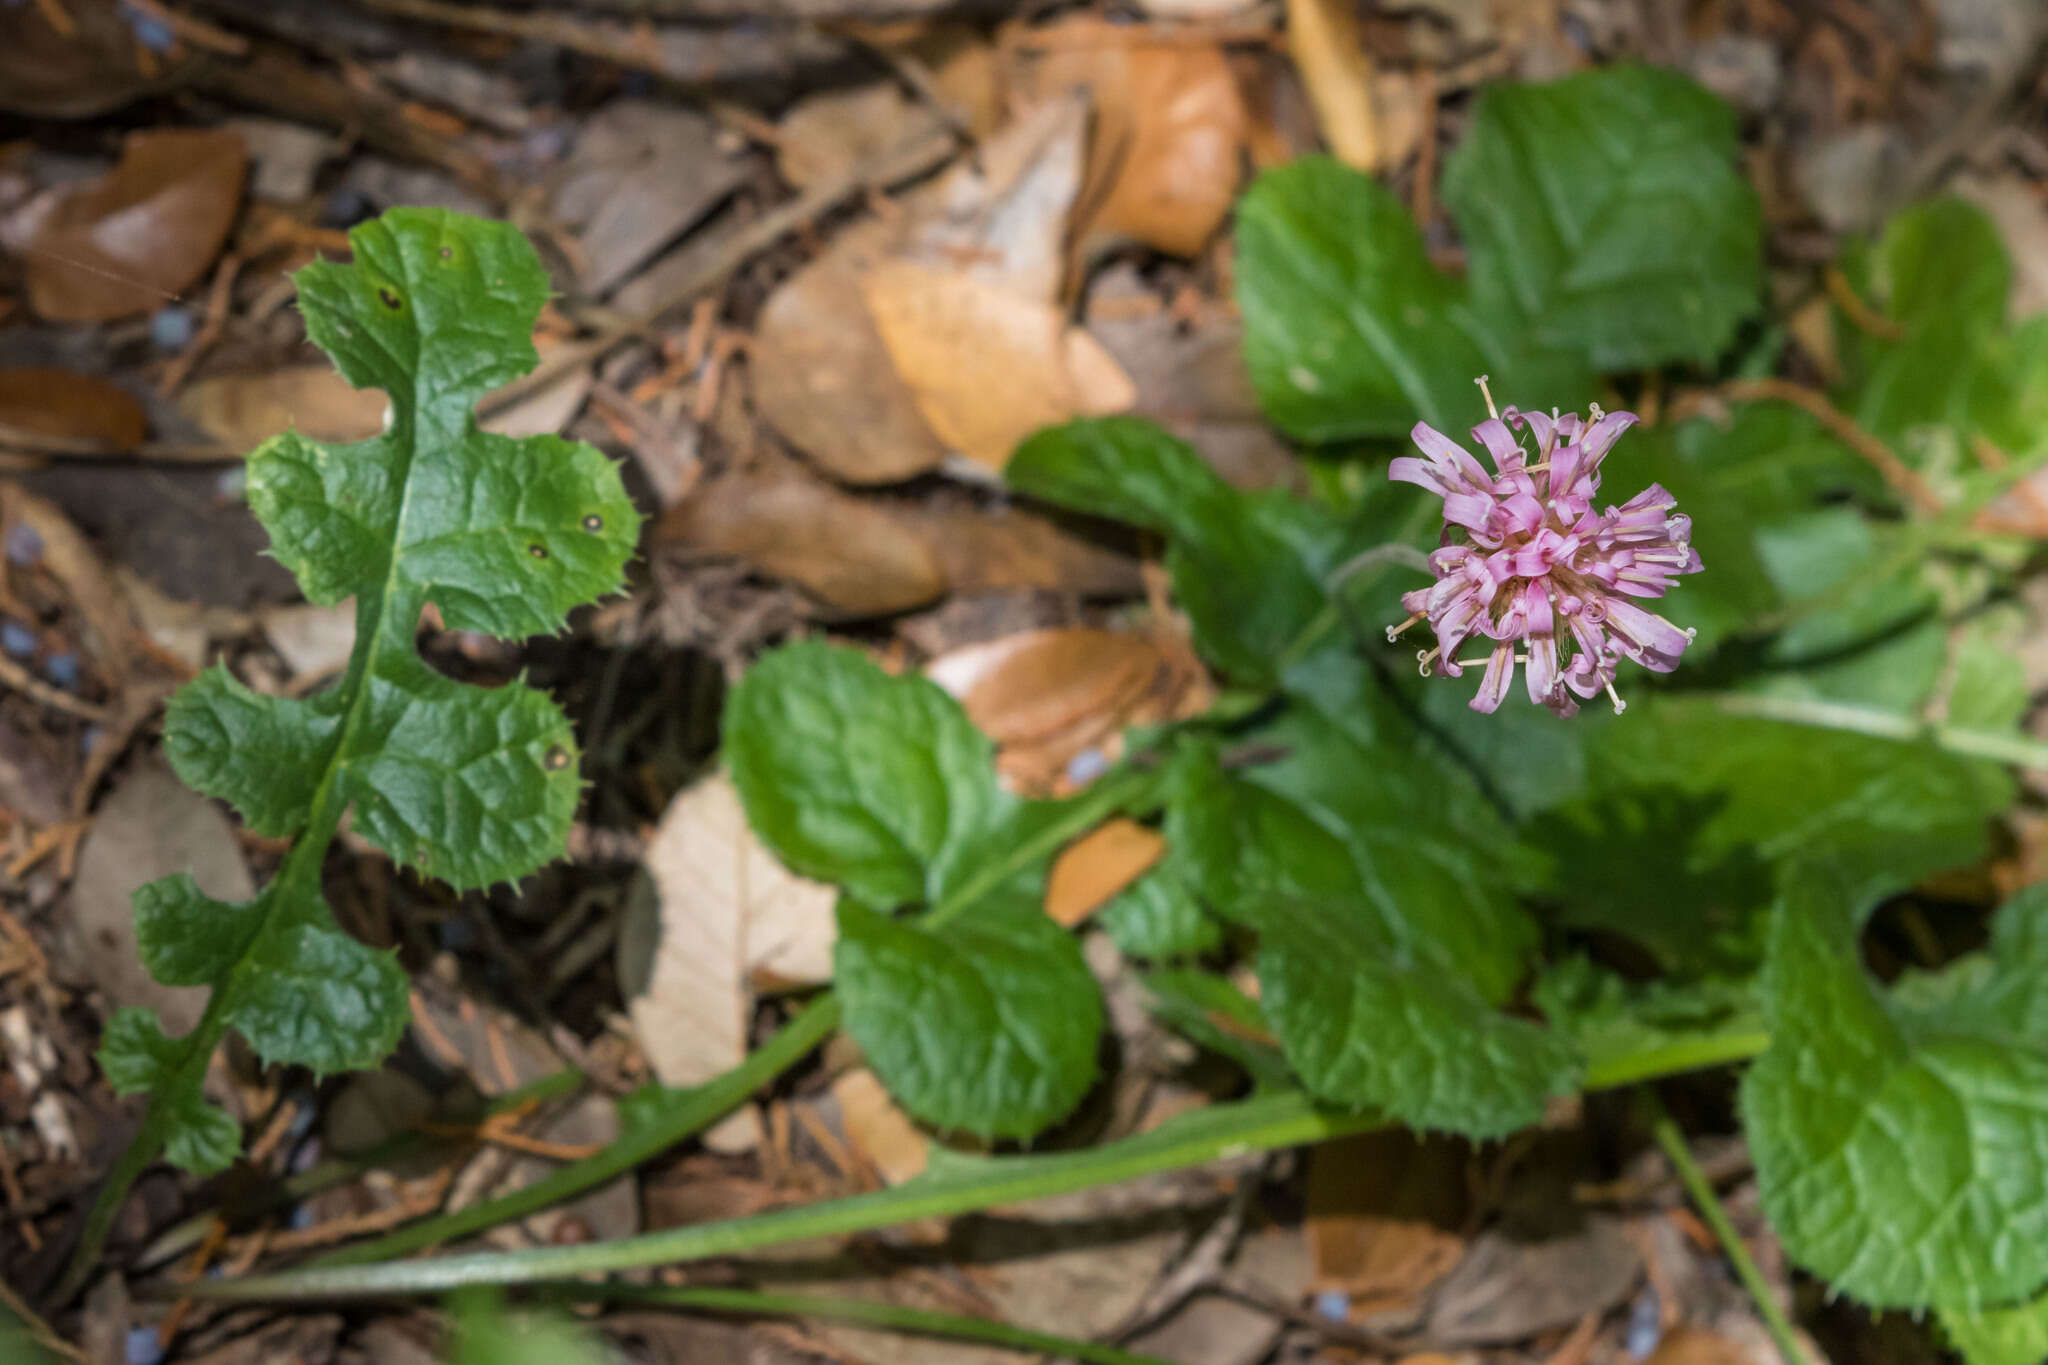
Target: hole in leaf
<point x="593" y="522"/>
<point x="389" y="299"/>
<point x="447" y="252"/>
<point x="557" y="759"/>
<point x="537" y="550"/>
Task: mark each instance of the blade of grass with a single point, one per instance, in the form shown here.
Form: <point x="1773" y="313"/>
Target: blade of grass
<point x="1701" y="1190"/>
<point x="892" y="1317"/>
<point x="955" y="1185"/>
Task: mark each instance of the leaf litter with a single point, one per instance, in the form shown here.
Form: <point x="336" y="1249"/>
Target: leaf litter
<point x="848" y="389"/>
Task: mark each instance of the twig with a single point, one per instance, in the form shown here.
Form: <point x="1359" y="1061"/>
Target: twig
<point x="217" y="300"/>
<point x="36" y="690"/>
<point x="1903" y="480"/>
<point x="1857" y="311"/>
<point x="197" y="32"/>
<point x="1703" y="1197"/>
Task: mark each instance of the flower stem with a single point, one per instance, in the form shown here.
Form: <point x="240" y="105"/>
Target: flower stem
<point x="1701" y="1190"/>
<point x="894" y="1317"/>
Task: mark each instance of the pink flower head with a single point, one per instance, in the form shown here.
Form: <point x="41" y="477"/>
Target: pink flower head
<point x="1527" y="563"/>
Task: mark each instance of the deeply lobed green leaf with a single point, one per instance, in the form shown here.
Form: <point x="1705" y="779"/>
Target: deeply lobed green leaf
<point x="467" y="784"/>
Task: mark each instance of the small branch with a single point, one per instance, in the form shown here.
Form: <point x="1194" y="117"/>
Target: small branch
<point x="1857" y="311"/>
<point x="1703" y="1197"/>
<point x="1903" y="480"/>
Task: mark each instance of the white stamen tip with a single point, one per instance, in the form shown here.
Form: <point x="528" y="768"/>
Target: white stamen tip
<point x="1615" y="697"/>
<point x="1487" y="394"/>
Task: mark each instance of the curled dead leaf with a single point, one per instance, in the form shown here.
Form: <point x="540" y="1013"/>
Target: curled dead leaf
<point x="131" y="240"/>
<point x="1049" y="696"/>
<point x="92" y="66"/>
<point x="76" y="414"/>
<point x="1166" y="148"/>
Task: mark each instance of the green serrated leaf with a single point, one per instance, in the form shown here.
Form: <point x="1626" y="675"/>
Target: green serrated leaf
<point x="469" y="784"/>
<point x="1901" y="1153"/>
<point x="1245" y="566"/>
<point x="2000" y="1336"/>
<point x="1606" y="212"/>
<point x="1611" y="1020"/>
<point x="263" y="755"/>
<point x="1692" y="807"/>
<point x="989" y="1023"/>
<point x="186" y="937"/>
<point x="137" y="1058"/>
<point x="1350" y="331"/>
<point x="880" y="784"/>
<point x="1384" y="945"/>
<point x="1158" y="917"/>
<point x="1374" y="1029"/>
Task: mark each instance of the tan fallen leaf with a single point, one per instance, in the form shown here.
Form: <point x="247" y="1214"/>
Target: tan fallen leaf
<point x="242" y="411"/>
<point x="822" y="378"/>
<point x="879" y="1130"/>
<point x="984" y="548"/>
<point x="48" y="409"/>
<point x="848" y="553"/>
<point x="713" y="909"/>
<point x="1330" y="53"/>
<point x="1002" y="215"/>
<point x="826" y="132"/>
<point x="1166" y="147"/>
<point x="986" y="365"/>
<point x="1089" y="872"/>
<point x="131" y="240"/>
<point x="1039" y="682"/>
<point x="1383" y="1214"/>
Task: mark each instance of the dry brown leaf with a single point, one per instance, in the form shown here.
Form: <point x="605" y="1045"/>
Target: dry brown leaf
<point x="715" y="908"/>
<point x="1089" y="872"/>
<point x="242" y="411"/>
<point x="1166" y="147"/>
<point x="1036" y="683"/>
<point x="642" y="174"/>
<point x="821" y="377"/>
<point x="1338" y="72"/>
<point x="79" y="414"/>
<point x="878" y="1128"/>
<point x="986" y="365"/>
<point x="1382" y="1209"/>
<point x="851" y="555"/>
<point x="131" y="240"/>
<point x="150" y="825"/>
<point x="1697" y="1346"/>
<point x="983" y="549"/>
<point x="1049" y="696"/>
<point x="826" y="132"/>
<point x="1001" y="215"/>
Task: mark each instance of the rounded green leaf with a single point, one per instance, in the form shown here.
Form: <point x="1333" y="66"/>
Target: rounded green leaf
<point x="989" y="1024"/>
